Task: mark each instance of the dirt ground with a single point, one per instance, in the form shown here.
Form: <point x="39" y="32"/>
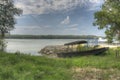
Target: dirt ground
<point x="95" y="74"/>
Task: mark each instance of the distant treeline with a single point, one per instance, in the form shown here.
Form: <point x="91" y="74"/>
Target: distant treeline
<point x="51" y="37"/>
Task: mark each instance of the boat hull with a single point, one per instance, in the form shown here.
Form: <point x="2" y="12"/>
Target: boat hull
<point x="83" y="53"/>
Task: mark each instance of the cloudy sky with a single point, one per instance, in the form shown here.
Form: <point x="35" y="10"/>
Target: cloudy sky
<point x="57" y="17"/>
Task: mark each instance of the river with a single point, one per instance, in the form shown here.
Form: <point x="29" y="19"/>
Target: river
<point x="33" y="46"/>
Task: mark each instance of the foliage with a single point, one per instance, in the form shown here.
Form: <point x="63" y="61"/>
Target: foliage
<point x="51" y="36"/>
<point x="109" y="17"/>
<point x="7" y="21"/>
<point x="7" y="13"/>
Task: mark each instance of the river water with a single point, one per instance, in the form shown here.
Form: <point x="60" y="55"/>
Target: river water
<point x="33" y="46"/>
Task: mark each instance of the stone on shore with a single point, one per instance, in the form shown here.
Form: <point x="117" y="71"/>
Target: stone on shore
<point x="54" y="50"/>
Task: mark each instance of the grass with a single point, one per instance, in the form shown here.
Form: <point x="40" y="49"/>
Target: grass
<point x="103" y="61"/>
<point x="25" y="67"/>
<point x="104" y="67"/>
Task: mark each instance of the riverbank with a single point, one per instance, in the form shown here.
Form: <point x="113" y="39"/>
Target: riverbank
<point x="109" y="45"/>
<point x="25" y="67"/>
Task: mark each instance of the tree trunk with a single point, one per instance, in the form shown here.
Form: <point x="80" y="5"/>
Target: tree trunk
<point x="2" y="34"/>
<point x="2" y="48"/>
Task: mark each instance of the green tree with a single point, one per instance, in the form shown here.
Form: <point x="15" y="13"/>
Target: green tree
<point x="7" y="20"/>
<point x="109" y="18"/>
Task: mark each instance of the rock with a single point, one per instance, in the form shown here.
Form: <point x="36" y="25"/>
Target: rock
<point x="54" y="50"/>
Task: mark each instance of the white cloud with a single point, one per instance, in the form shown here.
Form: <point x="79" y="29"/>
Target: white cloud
<point x="20" y="17"/>
<point x="95" y="4"/>
<point x="27" y="28"/>
<point x="74" y="25"/>
<point x="32" y="27"/>
<point x="66" y="20"/>
<point x="47" y="6"/>
<point x="72" y="29"/>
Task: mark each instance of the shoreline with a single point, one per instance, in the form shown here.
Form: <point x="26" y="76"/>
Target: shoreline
<point x="109" y="45"/>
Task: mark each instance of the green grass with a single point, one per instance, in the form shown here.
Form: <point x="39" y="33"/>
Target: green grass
<point x="26" y="67"/>
<point x="103" y="61"/>
<point x="104" y="67"/>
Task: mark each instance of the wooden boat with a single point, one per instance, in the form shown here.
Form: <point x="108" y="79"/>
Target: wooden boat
<point x="97" y="51"/>
<point x="83" y="53"/>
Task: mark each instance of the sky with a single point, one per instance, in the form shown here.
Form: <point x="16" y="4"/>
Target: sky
<point x="57" y="17"/>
